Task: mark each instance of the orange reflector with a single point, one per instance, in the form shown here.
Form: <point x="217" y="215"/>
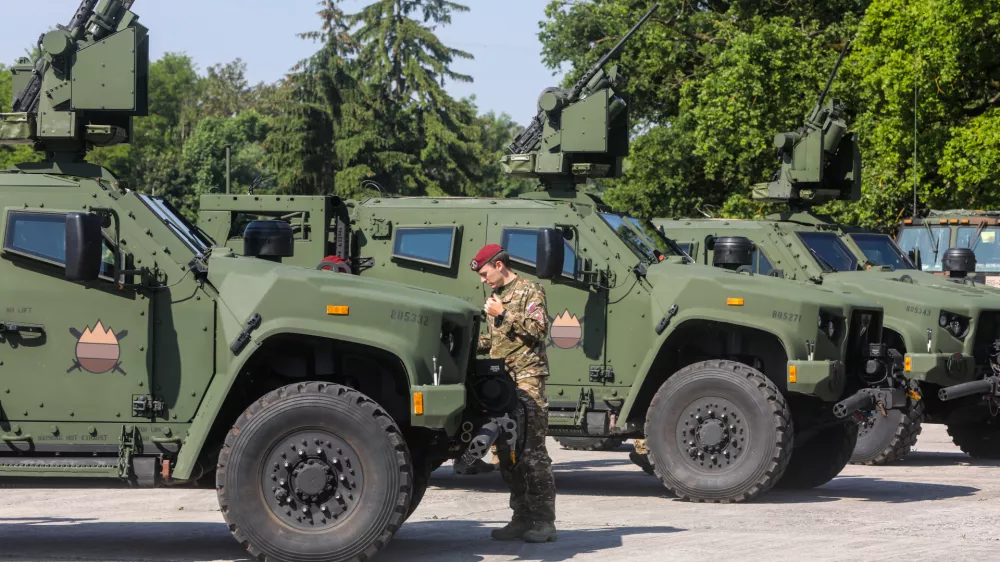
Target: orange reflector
<point x="907" y="365"/>
<point x="908" y="221"/>
<point x="954" y="221"/>
<point x="943" y="221"/>
<point x="964" y="221"/>
<point x="418" y="403"/>
<point x="337" y="310"/>
<point x="735" y="301"/>
<point x="793" y="374"/>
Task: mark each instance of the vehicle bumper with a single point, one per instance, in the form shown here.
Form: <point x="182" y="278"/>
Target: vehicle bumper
<point x="443" y="406"/>
<point x="824" y="379"/>
<point x="939" y="368"/>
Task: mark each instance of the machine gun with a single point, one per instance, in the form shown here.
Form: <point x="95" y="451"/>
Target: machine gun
<point x="820" y="162"/>
<point x="580" y="132"/>
<point x="91" y="79"/>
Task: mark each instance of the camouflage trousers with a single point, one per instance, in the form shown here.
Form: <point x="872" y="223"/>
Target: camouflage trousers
<point x="532" y="485"/>
<point x="640" y="446"/>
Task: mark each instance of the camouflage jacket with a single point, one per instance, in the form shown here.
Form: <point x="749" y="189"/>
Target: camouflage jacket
<point x="520" y="339"/>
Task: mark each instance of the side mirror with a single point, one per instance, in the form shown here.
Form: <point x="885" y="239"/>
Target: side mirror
<point x="914" y="256"/>
<point x="551" y="253"/>
<point x="83" y="246"/>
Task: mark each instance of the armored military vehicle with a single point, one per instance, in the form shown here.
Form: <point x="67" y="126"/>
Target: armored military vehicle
<point x="939" y="231"/>
<point x="723" y="373"/>
<point x="137" y="350"/>
<point x="949" y="332"/>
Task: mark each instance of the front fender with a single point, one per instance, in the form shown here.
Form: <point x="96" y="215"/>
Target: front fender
<point x="789" y="337"/>
<point x="222" y="384"/>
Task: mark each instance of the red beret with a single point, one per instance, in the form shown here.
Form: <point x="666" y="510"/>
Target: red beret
<point x="484" y="256"/>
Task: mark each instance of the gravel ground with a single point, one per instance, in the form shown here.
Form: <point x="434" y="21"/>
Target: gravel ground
<point x="936" y="504"/>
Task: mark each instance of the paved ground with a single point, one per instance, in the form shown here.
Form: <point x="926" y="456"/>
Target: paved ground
<point x="937" y="504"/>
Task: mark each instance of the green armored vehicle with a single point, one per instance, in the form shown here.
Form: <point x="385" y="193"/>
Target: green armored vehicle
<point x="933" y="235"/>
<point x="736" y="382"/>
<point x="136" y="349"/>
<point x="949" y="332"/>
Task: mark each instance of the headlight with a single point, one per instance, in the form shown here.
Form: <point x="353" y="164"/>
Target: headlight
<point x="829" y="324"/>
<point x="956" y="324"/>
<point x="450" y="339"/>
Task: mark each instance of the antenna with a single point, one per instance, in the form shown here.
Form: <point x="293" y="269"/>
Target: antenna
<point x="916" y="87"/>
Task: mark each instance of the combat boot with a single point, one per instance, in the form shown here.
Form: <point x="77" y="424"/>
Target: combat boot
<point x="512" y="531"/>
<point x="541" y="531"/>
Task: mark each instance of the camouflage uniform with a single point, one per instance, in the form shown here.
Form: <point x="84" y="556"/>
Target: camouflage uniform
<point x="520" y="341"/>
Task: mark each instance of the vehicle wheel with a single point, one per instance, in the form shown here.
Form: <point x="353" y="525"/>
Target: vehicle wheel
<point x="718" y="431"/>
<point x="978" y="440"/>
<point x="590" y="443"/>
<point x="821" y="459"/>
<point x="314" y="471"/>
<point x="882" y="440"/>
<point x="422" y="469"/>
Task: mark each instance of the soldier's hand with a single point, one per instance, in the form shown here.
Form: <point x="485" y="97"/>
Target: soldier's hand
<point x="493" y="306"/>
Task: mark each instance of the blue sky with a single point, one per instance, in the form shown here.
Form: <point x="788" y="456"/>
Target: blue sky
<point x="502" y="34"/>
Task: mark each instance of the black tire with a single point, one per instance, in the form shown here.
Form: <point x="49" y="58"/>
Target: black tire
<point x="590" y="443"/>
<point x="369" y="487"/>
<point x="422" y="469"/>
<point x="978" y="440"/>
<point x="751" y="439"/>
<point x="882" y="440"/>
<point x="820" y="459"/>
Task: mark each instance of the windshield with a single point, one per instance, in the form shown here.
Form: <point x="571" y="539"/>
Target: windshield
<point x="631" y="237"/>
<point x="829" y="251"/>
<point x="912" y="237"/>
<point x="985" y="245"/>
<point x="654" y="238"/>
<point x="195" y="239"/>
<point x="881" y="250"/>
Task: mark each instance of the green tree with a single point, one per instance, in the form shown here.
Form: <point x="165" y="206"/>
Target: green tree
<point x="11" y="155"/>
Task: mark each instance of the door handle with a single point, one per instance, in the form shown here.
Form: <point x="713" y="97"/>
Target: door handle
<point x="17" y="328"/>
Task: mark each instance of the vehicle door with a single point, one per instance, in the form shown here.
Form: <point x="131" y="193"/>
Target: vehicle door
<point x="577" y="308"/>
<point x="73" y="352"/>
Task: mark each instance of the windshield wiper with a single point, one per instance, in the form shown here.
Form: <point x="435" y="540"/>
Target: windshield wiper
<point x="822" y="261"/>
<point x="933" y="240"/>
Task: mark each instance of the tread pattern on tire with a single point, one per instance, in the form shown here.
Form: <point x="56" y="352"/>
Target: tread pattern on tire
<point x="903" y="439"/>
<point x="979" y="441"/>
<point x="593" y="443"/>
<point x="811" y="468"/>
<point x="350" y="396"/>
<point x="782" y="419"/>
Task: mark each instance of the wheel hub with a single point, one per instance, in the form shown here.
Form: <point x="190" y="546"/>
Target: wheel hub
<point x="713" y="433"/>
<point x="312" y="480"/>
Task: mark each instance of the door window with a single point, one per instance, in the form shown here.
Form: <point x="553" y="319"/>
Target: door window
<point x="760" y="263"/>
<point x="431" y="245"/>
<point x="38" y="235"/>
<point x="522" y="246"/>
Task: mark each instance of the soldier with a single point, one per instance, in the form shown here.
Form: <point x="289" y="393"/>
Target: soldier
<point x="518" y="328"/>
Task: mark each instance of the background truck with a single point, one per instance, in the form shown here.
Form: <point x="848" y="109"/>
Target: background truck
<point x="723" y="373"/>
<point x="137" y="350"/>
<point x="933" y="235"/>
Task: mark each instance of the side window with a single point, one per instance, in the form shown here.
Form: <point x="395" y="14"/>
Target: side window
<point x="37" y="235"/>
<point x="686" y="246"/>
<point x="431" y="245"/>
<point x="761" y="264"/>
<point x="522" y="245"/>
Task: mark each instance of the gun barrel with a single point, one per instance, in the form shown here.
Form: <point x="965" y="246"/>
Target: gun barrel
<point x="587" y="76"/>
<point x="833" y="74"/>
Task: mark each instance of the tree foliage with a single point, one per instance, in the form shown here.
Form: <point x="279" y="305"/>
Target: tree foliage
<point x="712" y="82"/>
